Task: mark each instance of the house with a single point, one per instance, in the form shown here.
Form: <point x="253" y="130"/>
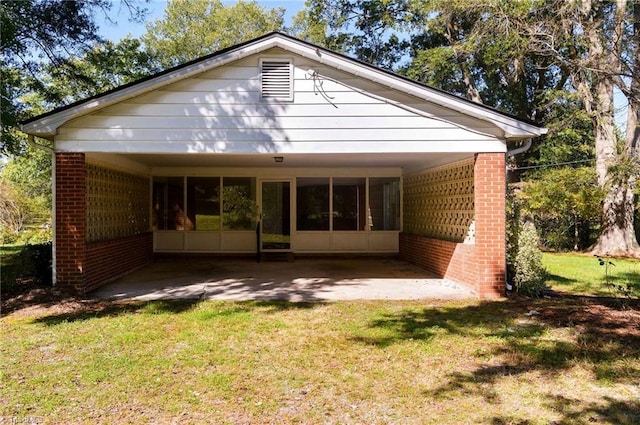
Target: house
<point x="326" y="153"/>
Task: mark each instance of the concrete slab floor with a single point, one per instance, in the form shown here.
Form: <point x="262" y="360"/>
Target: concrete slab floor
<point x="305" y="279"/>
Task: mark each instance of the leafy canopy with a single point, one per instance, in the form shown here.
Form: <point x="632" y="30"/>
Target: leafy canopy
<point x="194" y="28"/>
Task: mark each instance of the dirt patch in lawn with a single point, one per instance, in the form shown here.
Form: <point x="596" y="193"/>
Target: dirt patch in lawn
<point x="34" y="300"/>
<point x="605" y="316"/>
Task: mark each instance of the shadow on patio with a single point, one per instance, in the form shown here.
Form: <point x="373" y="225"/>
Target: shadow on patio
<point x="305" y="279"/>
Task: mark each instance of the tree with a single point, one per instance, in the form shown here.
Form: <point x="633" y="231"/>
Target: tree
<point x="102" y="67"/>
<point x="564" y="203"/>
<point x="365" y="29"/>
<point x="194" y="28"/>
<point x="35" y="33"/>
<point x="25" y="197"/>
<point x="599" y="42"/>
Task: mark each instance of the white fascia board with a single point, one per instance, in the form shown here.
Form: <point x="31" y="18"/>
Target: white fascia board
<point x="282" y="147"/>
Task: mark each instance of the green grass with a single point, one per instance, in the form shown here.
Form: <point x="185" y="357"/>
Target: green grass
<point x="311" y="363"/>
<point x="207" y="222"/>
<point x="583" y="274"/>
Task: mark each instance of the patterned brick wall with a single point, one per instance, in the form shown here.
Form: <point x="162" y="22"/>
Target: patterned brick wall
<point x="439" y="203"/>
<point x="82" y="265"/>
<point x="480" y="263"/>
<point x="117" y="204"/>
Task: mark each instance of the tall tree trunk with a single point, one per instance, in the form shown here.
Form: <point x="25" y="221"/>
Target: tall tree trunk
<point x="460" y="58"/>
<point x="617" y="233"/>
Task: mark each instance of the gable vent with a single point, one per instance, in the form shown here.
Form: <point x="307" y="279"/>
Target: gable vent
<point x="277" y="79"/>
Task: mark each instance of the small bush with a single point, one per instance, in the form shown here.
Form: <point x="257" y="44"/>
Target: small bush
<point x="31" y="266"/>
<point x="529" y="275"/>
<point x="37" y="262"/>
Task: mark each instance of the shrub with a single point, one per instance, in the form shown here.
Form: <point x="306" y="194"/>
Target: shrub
<point x="37" y="262"/>
<point x="31" y="266"/>
<point x="529" y="275"/>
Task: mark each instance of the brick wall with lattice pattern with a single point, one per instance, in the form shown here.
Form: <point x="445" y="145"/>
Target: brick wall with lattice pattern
<point x="439" y="203"/>
<point x="117" y="204"/>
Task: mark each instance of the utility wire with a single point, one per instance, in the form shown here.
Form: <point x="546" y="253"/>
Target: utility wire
<point x="531" y="167"/>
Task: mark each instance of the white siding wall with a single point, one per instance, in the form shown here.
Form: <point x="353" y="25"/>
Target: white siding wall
<point x="221" y="111"/>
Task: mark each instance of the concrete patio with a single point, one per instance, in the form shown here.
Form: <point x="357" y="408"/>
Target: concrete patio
<point x="305" y="279"/>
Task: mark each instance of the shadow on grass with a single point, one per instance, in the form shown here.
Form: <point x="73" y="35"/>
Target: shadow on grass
<point x="276" y="306"/>
<point x="95" y="310"/>
<point x="610" y="410"/>
<point x="592" y="333"/>
<point x="631" y="278"/>
<point x="560" y="280"/>
<point x="427" y="323"/>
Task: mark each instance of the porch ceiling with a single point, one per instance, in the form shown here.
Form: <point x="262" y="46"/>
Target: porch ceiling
<point x="406" y="161"/>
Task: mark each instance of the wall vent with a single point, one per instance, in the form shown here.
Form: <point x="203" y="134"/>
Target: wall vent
<point x="277" y="79"/>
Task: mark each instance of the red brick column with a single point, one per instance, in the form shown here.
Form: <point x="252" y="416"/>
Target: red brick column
<point x="489" y="201"/>
<point x="71" y="221"/>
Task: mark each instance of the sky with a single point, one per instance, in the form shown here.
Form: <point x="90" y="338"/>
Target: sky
<point x="115" y="32"/>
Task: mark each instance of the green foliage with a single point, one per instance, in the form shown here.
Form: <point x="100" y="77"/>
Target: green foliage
<point x="524" y="258"/>
<point x="33" y="265"/>
<point x="513" y="225"/>
<point x="35" y="33"/>
<point x="194" y="28"/>
<point x="25" y="198"/>
<point x="565" y="203"/>
<point x="104" y="66"/>
<point x="530" y="276"/>
<point x="239" y="209"/>
<point x="570" y="136"/>
<point x="365" y="29"/>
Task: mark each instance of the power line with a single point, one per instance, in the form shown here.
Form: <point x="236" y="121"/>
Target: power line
<point x="531" y="167"/>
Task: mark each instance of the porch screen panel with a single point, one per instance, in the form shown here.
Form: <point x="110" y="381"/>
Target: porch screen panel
<point x="168" y="204"/>
<point x="203" y="202"/>
<point x="349" y="198"/>
<point x="239" y="203"/>
<point x="384" y="203"/>
<point x="312" y="203"/>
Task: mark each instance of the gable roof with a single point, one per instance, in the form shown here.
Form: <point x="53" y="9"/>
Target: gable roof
<point x="46" y="125"/>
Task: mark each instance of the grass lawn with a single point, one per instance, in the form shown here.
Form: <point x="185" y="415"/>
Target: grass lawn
<point x="431" y="362"/>
<point x="583" y="274"/>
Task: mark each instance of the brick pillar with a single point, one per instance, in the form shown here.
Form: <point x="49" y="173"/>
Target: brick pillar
<point x="490" y="216"/>
<point x="71" y="221"/>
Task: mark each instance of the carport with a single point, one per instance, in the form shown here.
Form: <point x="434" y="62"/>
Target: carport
<point x="308" y="279"/>
<point x="286" y="146"/>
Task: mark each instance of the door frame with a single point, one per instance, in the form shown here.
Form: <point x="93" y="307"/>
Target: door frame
<point x="292" y="216"/>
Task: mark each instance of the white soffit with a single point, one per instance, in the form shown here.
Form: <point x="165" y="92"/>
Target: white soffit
<point x="513" y="128"/>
